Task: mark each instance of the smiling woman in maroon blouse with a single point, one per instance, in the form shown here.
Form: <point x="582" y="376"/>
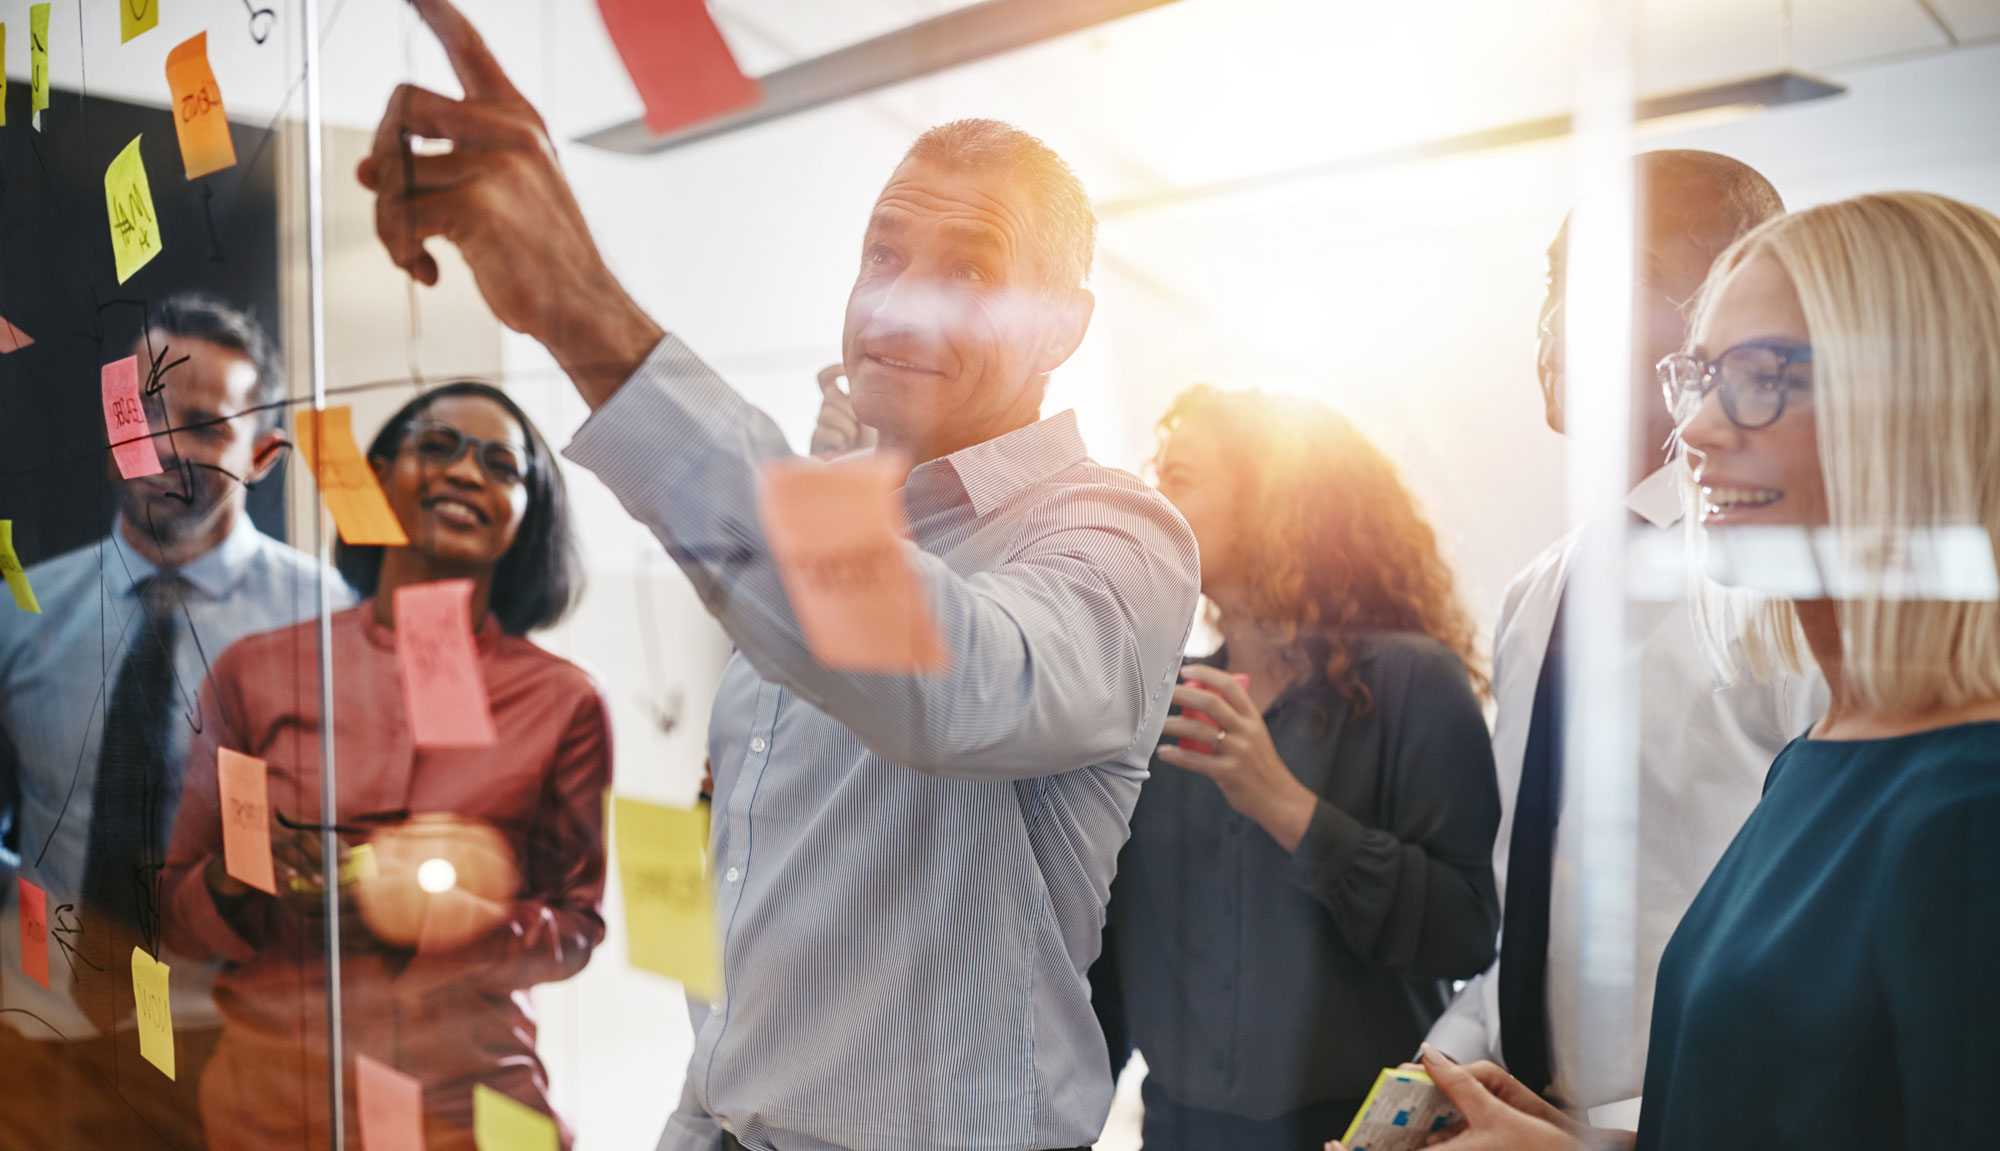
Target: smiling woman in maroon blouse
<point x="435" y="968"/>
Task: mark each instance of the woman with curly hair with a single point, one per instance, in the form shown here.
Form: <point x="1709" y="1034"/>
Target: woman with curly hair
<point x="1310" y="863"/>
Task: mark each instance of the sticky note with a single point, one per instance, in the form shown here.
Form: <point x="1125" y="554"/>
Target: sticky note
<point x="346" y="482"/>
<point x="1401" y="1113"/>
<point x="135" y="230"/>
<point x="17" y="576"/>
<point x="125" y="420"/>
<point x="136" y="16"/>
<point x="836" y="531"/>
<point x="678" y="61"/>
<point x="245" y="792"/>
<point x="3" y="74"/>
<point x="34" y="932"/>
<point x="156" y="1017"/>
<point x="391" y="1106"/>
<point x="669" y="911"/>
<point x="442" y="683"/>
<point x="500" y="1123"/>
<point x="198" y="117"/>
<point x="38" y="60"/>
<point x="12" y="339"/>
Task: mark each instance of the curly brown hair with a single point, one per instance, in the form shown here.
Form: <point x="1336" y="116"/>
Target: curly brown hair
<point x="1336" y="546"/>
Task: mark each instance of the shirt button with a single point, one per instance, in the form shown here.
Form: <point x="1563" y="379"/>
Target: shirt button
<point x="758" y="744"/>
<point x="715" y="1009"/>
<point x="732" y="875"/>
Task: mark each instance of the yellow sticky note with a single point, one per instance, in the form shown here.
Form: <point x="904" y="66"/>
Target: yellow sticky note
<point x="10" y="566"/>
<point x="346" y="482"/>
<point x="198" y="117"/>
<point x="669" y="910"/>
<point x="136" y="16"/>
<point x="135" y="230"/>
<point x="38" y="59"/>
<point x="156" y="1017"/>
<point x="500" y="1123"/>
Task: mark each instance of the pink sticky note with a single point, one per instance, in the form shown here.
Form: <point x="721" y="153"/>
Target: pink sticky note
<point x="678" y="60"/>
<point x="245" y="790"/>
<point x="391" y="1106"/>
<point x="12" y="339"/>
<point x="34" y="932"/>
<point x="1194" y="745"/>
<point x="125" y="421"/>
<point x="442" y="683"/>
<point x="837" y="533"/>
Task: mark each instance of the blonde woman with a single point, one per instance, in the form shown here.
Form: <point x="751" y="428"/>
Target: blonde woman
<point x="1837" y="982"/>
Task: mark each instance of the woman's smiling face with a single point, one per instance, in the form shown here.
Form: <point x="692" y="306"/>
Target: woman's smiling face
<point x="460" y="516"/>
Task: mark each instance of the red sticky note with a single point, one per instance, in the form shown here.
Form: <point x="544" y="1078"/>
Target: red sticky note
<point x="442" y="683"/>
<point x="34" y="932"/>
<point x="12" y="339"/>
<point x="198" y="117"/>
<point x="837" y="533"/>
<point x="245" y="789"/>
<point x="125" y="421"/>
<point x="1193" y="745"/>
<point x="391" y="1106"/>
<point x="678" y="60"/>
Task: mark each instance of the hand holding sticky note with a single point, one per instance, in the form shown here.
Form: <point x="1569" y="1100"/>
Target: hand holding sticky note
<point x="391" y="1106"/>
<point x="837" y="533"/>
<point x="125" y="420"/>
<point x="135" y="229"/>
<point x="244" y="789"/>
<point x="346" y="482"/>
<point x="198" y="117"/>
<point x="34" y="932"/>
<point x="17" y="576"/>
<point x="501" y="1123"/>
<point x="442" y="683"/>
<point x="155" y="1013"/>
<point x="669" y="911"/>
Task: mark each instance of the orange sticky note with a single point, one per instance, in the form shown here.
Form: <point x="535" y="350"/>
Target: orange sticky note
<point x="346" y="482"/>
<point x="12" y="339"/>
<point x="198" y="117"/>
<point x="125" y="420"/>
<point x="34" y="932"/>
<point x="17" y="576"/>
<point x="500" y="1123"/>
<point x="442" y="684"/>
<point x="669" y="909"/>
<point x="156" y="1016"/>
<point x="678" y="60"/>
<point x="391" y="1106"/>
<point x="245" y="791"/>
<point x="128" y="198"/>
<point x="837" y="533"/>
<point x="136" y="16"/>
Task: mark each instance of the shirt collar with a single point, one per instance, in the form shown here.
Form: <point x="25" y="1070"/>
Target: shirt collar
<point x="994" y="472"/>
<point x="213" y="573"/>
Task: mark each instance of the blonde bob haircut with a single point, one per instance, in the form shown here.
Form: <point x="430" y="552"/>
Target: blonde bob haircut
<point x="1901" y="294"/>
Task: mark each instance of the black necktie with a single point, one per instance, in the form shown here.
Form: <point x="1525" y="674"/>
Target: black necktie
<point x="1524" y="933"/>
<point x="134" y="790"/>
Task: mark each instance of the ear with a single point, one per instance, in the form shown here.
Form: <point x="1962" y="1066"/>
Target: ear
<point x="269" y="449"/>
<point x="1069" y="320"/>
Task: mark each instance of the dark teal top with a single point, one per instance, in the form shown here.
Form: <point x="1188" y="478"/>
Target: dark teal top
<point x="1837" y="982"/>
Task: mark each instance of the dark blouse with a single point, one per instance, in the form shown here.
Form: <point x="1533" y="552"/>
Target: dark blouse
<point x="1257" y="981"/>
<point x="1837" y="981"/>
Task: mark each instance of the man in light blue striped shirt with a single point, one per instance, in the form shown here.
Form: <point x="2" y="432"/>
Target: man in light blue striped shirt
<point x="911" y="870"/>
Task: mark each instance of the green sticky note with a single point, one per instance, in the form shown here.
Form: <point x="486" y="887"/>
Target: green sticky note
<point x="135" y="230"/>
<point x="503" y="1124"/>
<point x="136" y="16"/>
<point x="10" y="566"/>
<point x="669" y="909"/>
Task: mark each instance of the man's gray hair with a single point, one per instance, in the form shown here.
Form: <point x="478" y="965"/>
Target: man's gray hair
<point x="1065" y="235"/>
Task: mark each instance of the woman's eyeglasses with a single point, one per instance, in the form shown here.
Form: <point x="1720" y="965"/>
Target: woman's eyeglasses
<point x="441" y="445"/>
<point x="1754" y="380"/>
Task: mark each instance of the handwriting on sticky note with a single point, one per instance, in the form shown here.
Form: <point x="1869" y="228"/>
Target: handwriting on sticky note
<point x="135" y="229"/>
<point x="34" y="932"/>
<point x="442" y="683"/>
<point x="38" y="60"/>
<point x="199" y="121"/>
<point x="125" y="420"/>
<point x="678" y="61"/>
<point x="500" y="1123"/>
<point x="346" y="482"/>
<point x="155" y="1014"/>
<point x="837" y="533"/>
<point x="136" y="16"/>
<point x="669" y="910"/>
<point x="245" y="792"/>
<point x="391" y="1104"/>
<point x="12" y="339"/>
<point x="17" y="576"/>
